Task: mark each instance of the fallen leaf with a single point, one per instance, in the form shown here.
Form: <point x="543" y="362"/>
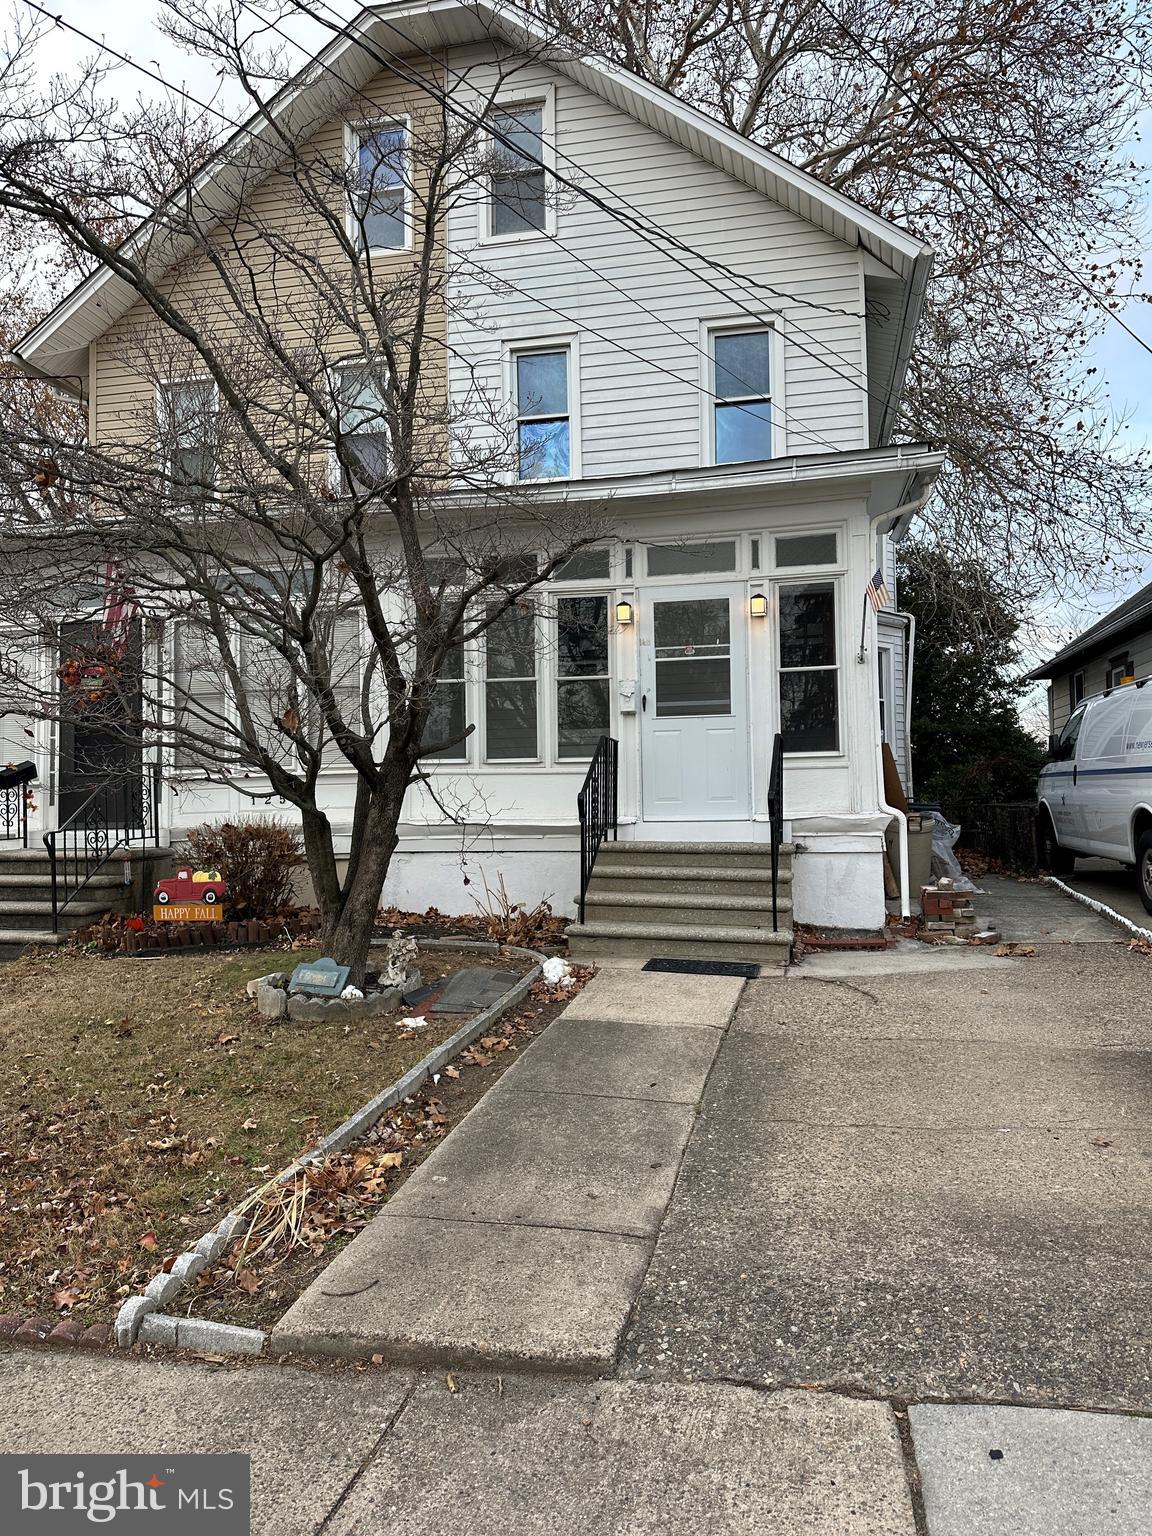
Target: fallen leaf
<point x="148" y="1240"/>
<point x="247" y="1281"/>
<point x="451" y="1382"/>
<point x="249" y="1125"/>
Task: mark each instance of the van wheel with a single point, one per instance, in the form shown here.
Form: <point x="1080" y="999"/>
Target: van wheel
<point x="1060" y="861"/>
<point x="1144" y="869"/>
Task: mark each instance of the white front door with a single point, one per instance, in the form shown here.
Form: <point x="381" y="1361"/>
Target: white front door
<point x="694" y="747"/>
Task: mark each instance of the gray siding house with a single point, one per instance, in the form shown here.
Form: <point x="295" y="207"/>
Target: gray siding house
<point x="1115" y="648"/>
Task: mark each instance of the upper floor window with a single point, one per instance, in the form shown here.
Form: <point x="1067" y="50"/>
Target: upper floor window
<point x="363" y="418"/>
<point x="517" y="185"/>
<point x="187" y="413"/>
<point x="380" y="177"/>
<point x="543" y="419"/>
<point x="742" y="386"/>
<point x="1119" y="668"/>
<point x="1075" y="689"/>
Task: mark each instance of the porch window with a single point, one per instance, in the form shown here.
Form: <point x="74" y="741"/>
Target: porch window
<point x="582" y="695"/>
<point x="806" y="549"/>
<point x="543" y="419"/>
<point x="448" y="714"/>
<point x="380" y="186"/>
<point x="692" y="559"/>
<point x="187" y="427"/>
<point x="340" y="637"/>
<point x="742" y="386"/>
<point x="518" y="203"/>
<point x="809" y="675"/>
<point x="511" y="704"/>
<point x="200" y="705"/>
<point x="361" y="407"/>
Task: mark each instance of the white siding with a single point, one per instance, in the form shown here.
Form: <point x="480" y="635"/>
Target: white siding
<point x="633" y="416"/>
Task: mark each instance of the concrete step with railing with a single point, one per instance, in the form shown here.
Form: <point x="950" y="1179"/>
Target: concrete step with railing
<point x="690" y="908"/>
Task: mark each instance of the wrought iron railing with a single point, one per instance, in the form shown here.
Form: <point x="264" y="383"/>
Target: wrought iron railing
<point x="776" y="821"/>
<point x="122" y="812"/>
<point x="597" y="807"/>
<point x="15" y="792"/>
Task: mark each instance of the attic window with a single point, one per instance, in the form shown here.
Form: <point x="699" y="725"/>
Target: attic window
<point x="379" y="193"/>
<point x="517" y="182"/>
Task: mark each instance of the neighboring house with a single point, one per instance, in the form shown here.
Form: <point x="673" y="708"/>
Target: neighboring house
<point x="753" y="484"/>
<point x="1114" y="650"/>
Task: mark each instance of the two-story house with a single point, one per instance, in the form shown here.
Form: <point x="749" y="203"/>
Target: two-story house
<point x="680" y="326"/>
<point x="1112" y="651"/>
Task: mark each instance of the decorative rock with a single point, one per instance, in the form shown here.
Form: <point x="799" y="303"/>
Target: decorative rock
<point x="65" y="1333"/>
<point x="98" y="1336"/>
<point x="226" y="1338"/>
<point x="229" y="1228"/>
<point x="159" y="1328"/>
<point x="272" y="1001"/>
<point x="129" y="1318"/>
<point x="163" y="1287"/>
<point x="188" y="1266"/>
<point x="34" y="1331"/>
<point x="9" y="1325"/>
<point x="212" y="1246"/>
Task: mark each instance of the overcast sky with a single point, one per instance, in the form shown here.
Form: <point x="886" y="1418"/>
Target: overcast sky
<point x="130" y="28"/>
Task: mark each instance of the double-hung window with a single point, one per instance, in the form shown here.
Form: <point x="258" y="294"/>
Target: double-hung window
<point x="511" y="674"/>
<point x="448" y="713"/>
<point x="809" y="675"/>
<point x="380" y="182"/>
<point x="517" y="184"/>
<point x="742" y="387"/>
<point x="363" y="422"/>
<point x="200" y="705"/>
<point x="582" y="695"/>
<point x="543" y="417"/>
<point x="187" y="428"/>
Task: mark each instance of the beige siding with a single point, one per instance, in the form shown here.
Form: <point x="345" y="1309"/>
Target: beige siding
<point x="1095" y="671"/>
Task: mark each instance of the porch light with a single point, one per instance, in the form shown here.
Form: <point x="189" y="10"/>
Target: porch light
<point x="758" y="605"/>
<point x="623" y="613"/>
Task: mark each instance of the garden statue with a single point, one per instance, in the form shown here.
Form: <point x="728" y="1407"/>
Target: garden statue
<point x="401" y="958"/>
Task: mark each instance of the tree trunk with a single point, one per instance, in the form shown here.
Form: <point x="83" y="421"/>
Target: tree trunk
<point x="346" y="936"/>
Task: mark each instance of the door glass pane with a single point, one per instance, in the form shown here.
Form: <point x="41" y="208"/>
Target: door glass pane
<point x="808" y="625"/>
<point x="691" y="559"/>
<point x="692" y="641"/>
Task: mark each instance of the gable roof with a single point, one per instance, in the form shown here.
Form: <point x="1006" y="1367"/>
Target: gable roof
<point x="1130" y="617"/>
<point x="58" y="346"/>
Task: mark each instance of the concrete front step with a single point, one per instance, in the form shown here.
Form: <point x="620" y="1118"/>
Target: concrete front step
<point x="678" y="941"/>
<point x="36" y="916"/>
<point x="34" y="861"/>
<point x="688" y="855"/>
<point x="686" y="908"/>
<point x="689" y="879"/>
<point x="42" y="881"/>
<point x="14" y="941"/>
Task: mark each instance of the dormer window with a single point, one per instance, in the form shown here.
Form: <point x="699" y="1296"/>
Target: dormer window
<point x="517" y="183"/>
<point x="380" y="173"/>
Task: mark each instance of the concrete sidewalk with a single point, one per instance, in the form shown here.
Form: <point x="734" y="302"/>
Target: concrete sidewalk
<point x="523" y="1240"/>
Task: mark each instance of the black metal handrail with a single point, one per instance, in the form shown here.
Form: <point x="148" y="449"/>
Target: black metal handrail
<point x="597" y="807"/>
<point x="14" y="794"/>
<point x="776" y="819"/>
<point x="118" y="813"/>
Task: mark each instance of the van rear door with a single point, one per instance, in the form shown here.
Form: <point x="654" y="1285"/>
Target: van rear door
<point x="1103" y="787"/>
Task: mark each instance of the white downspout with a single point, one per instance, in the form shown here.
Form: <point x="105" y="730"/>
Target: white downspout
<point x="890" y="810"/>
<point x="909" y="669"/>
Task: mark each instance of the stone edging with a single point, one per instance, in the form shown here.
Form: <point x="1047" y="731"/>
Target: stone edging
<point x="140" y="1317"/>
<point x="1099" y="906"/>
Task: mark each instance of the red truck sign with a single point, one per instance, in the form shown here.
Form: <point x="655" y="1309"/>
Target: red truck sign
<point x="195" y="888"/>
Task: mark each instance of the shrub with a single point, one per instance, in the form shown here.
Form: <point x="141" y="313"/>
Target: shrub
<point x="256" y="860"/>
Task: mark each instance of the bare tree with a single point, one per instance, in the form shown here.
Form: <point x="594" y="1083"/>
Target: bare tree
<point x="296" y="536"/>
<point x="998" y="134"/>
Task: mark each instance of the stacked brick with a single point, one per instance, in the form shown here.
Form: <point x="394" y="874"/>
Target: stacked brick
<point x="948" y="912"/>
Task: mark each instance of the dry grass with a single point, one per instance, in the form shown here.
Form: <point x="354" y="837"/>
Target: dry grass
<point x="140" y="1099"/>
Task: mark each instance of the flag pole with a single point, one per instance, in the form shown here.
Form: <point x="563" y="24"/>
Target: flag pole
<point x="861" y="655"/>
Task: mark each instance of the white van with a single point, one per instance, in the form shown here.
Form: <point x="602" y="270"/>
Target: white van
<point x="1095" y="793"/>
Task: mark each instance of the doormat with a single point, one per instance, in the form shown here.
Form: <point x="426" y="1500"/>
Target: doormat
<point x="705" y="968"/>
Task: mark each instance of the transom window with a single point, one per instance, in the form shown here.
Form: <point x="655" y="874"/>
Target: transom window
<point x="363" y="418"/>
<point x="518" y="178"/>
<point x="809" y="675"/>
<point x="806" y="549"/>
<point x="380" y="186"/>
<point x="692" y="559"/>
<point x="543" y="420"/>
<point x="742" y="385"/>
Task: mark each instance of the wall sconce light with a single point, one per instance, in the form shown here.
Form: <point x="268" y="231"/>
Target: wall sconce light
<point x="623" y="613"/>
<point x="758" y="605"/>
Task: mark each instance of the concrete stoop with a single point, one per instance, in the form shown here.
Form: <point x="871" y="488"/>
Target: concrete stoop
<point x="26" y="897"/>
<point x="686" y="901"/>
<point x="522" y="1241"/>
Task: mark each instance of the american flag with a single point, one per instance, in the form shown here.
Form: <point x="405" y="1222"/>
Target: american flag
<point x="878" y="594"/>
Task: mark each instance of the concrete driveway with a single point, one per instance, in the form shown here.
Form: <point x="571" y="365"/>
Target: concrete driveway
<point x="932" y="1185"/>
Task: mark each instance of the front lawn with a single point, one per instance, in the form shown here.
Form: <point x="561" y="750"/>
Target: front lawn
<point x="141" y="1098"/>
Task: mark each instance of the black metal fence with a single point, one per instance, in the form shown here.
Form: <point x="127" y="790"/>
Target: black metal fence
<point x="999" y="829"/>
